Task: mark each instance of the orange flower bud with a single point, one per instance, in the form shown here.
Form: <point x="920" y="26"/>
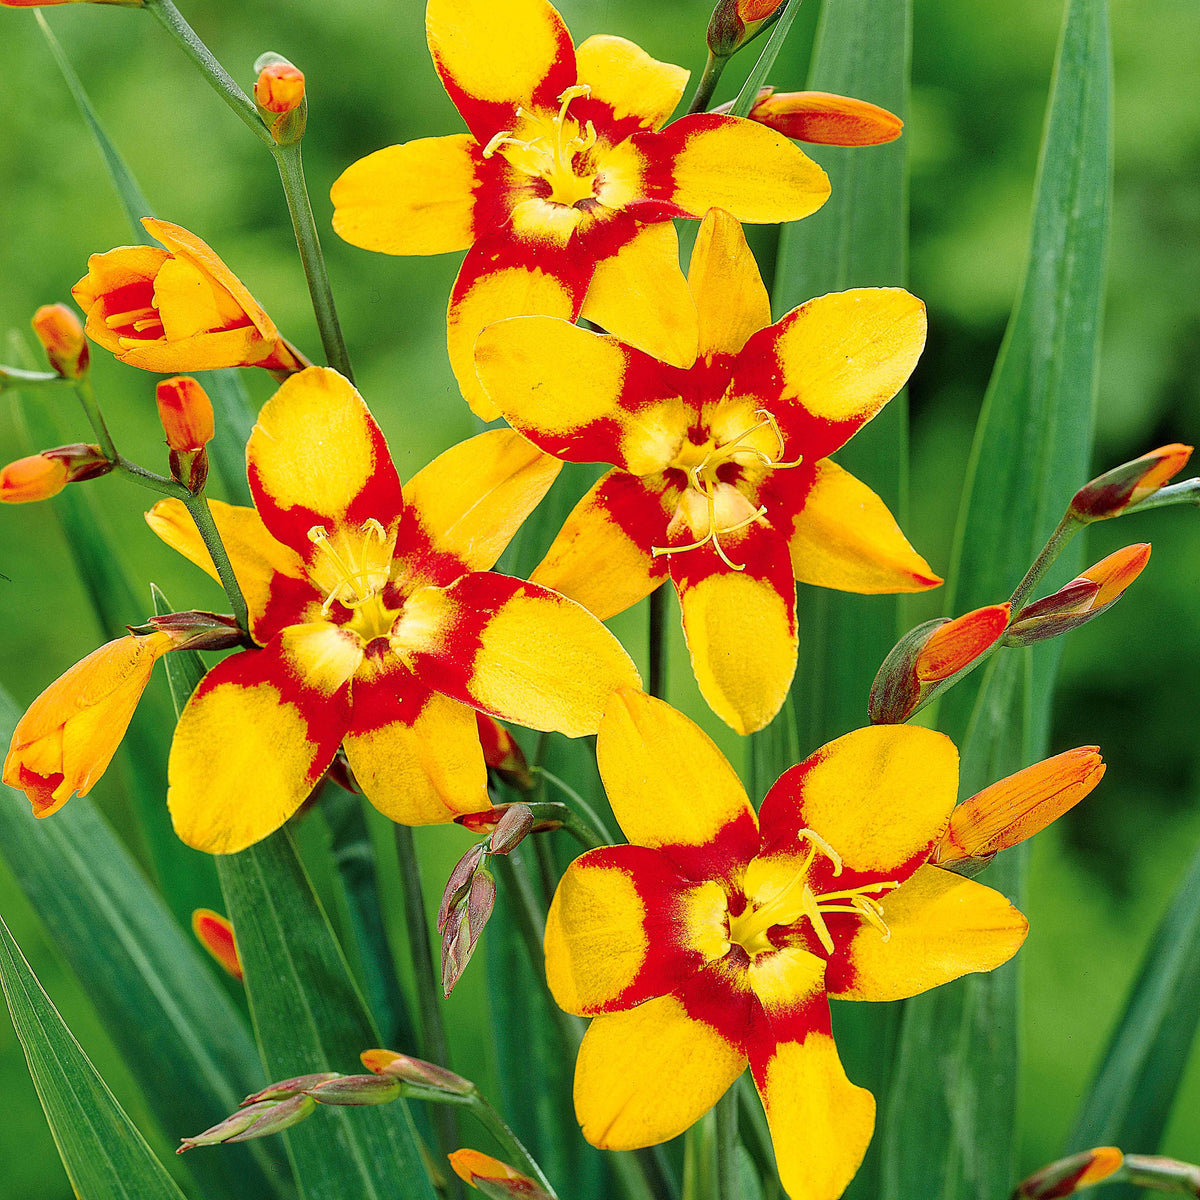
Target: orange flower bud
<point x="415" y="1071"/>
<point x="177" y="309"/>
<point x="41" y="476"/>
<point x="61" y="335"/>
<point x="186" y="413"/>
<point x="1081" y="600"/>
<point x="1071" y="1175"/>
<point x="1016" y="808"/>
<point x="279" y="87"/>
<point x="1110" y="494"/>
<point x="757" y="10"/>
<point x="735" y="22"/>
<point x="215" y="933"/>
<point x="494" y="1178"/>
<point x="66" y="740"/>
<point x="825" y="118"/>
<point x="34" y="478"/>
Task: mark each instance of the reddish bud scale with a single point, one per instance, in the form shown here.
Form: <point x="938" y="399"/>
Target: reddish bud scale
<point x="61" y="334"/>
<point x="502" y="753"/>
<point x="1110" y="494"/>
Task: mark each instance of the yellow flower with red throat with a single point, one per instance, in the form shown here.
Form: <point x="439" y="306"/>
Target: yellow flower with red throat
<point x="178" y="309"/>
<point x="380" y="625"/>
<point x="716" y="938"/>
<point x="721" y="477"/>
<point x="563" y="191"/>
<point x="66" y="740"/>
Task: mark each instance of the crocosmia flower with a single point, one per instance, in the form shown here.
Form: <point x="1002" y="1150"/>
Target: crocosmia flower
<point x="563" y="191"/>
<point x="722" y="478"/>
<point x="716" y="938"/>
<point x="177" y="309"/>
<point x="378" y="625"/>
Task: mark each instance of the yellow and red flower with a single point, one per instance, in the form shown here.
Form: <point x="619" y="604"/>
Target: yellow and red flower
<point x="380" y="625"/>
<point x="564" y="189"/>
<point x="178" y="309"/>
<point x="721" y="478"/>
<point x="716" y="938"/>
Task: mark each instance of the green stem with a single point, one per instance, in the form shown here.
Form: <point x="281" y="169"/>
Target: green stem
<point x="713" y="70"/>
<point x="1066" y="529"/>
<point x="199" y="53"/>
<point x="495" y="1124"/>
<point x="291" y="173"/>
<point x="434" y="1047"/>
<point x="656" y="683"/>
<point x="728" y="1184"/>
<point x="148" y="479"/>
<point x="202" y="515"/>
<point x="91" y="407"/>
<point x="15" y="377"/>
<point x="586" y="825"/>
<point x="780" y="27"/>
<point x="1187" y="491"/>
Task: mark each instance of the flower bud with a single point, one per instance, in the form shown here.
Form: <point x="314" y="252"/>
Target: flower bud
<point x="494" y="1178"/>
<point x="463" y="927"/>
<point x="215" y="933"/>
<point x="824" y="118"/>
<point x="1079" y="601"/>
<point x="279" y="94"/>
<point x="490" y="818"/>
<point x="459" y="883"/>
<point x="416" y="1072"/>
<point x="67" y="738"/>
<point x="186" y="414"/>
<point x="1110" y="494"/>
<point x="356" y="1090"/>
<point x="502" y="754"/>
<point x="195" y="630"/>
<point x="929" y="654"/>
<point x="255" y="1121"/>
<point x="735" y="22"/>
<point x="287" y="1088"/>
<point x="1071" y="1175"/>
<point x="1016" y="808"/>
<point x="61" y="333"/>
<point x="43" y="475"/>
<point x="511" y="830"/>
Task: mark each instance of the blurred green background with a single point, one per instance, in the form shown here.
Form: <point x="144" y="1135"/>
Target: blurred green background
<point x="980" y="78"/>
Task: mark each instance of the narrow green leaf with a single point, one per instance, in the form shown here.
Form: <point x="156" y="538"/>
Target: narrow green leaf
<point x="766" y="60"/>
<point x="190" y="1050"/>
<point x="105" y="1156"/>
<point x="1131" y="1097"/>
<point x="950" y="1128"/>
<point x="309" y="1016"/>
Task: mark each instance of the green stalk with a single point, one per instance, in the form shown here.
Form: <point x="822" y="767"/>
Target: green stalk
<point x="202" y="515"/>
<point x="15" y="377"/>
<point x="91" y="408"/>
<point x="713" y="69"/>
<point x="172" y="20"/>
<point x="434" y="1047"/>
<point x="519" y="1157"/>
<point x="291" y="173"/>
<point x="1064" y="531"/>
<point x="656" y="683"/>
<point x="585" y="826"/>
<point x="728" y="1184"/>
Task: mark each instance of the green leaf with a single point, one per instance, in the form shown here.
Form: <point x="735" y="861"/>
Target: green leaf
<point x="766" y="60"/>
<point x="309" y="1016"/>
<point x="189" y="1050"/>
<point x="105" y="1156"/>
<point x="1131" y="1097"/>
<point x="951" y="1127"/>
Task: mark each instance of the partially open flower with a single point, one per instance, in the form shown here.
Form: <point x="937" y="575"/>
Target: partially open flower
<point x="61" y="334"/>
<point x="1016" y="808"/>
<point x="178" y="309"/>
<point x="1110" y="494"/>
<point x="186" y="414"/>
<point x="66" y="740"/>
<point x="825" y="118"/>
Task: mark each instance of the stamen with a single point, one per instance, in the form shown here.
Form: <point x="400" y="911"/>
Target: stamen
<point x="139" y="318"/>
<point x="502" y="138"/>
<point x="354" y="578"/>
<point x="770" y="420"/>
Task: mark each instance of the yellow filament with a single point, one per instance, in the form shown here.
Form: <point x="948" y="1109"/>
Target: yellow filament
<point x="353" y="576"/>
<point x="139" y="318"/>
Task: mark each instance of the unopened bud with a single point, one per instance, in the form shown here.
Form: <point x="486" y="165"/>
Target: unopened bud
<point x="502" y="754"/>
<point x="1081" y="600"/>
<point x="1110" y="494"/>
<point x="493" y="1177"/>
<point x="464" y="926"/>
<point x="511" y="830"/>
<point x="61" y="334"/>
<point x="286" y="1088"/>
<point x="416" y="1072"/>
<point x="1071" y="1175"/>
<point x="195" y="630"/>
<point x="735" y="22"/>
<point x="186" y="414"/>
<point x="824" y="118"/>
<point x="215" y="933"/>
<point x="254" y="1121"/>
<point x="279" y="94"/>
<point x="1009" y="812"/>
<point x="928" y="655"/>
<point x="459" y="883"/>
<point x="545" y="818"/>
<point x="356" y="1090"/>
<point x="43" y="475"/>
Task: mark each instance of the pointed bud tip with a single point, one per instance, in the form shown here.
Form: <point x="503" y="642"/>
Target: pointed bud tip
<point x="1110" y="494"/>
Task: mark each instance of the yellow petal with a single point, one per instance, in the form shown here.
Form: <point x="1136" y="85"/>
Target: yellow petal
<point x="640" y="295"/>
<point x="646" y="1075"/>
<point x="940" y="926"/>
<point x="635" y="86"/>
<point x="417" y="198"/>
<point x="667" y="782"/>
<point x="731" y="301"/>
<point x="844" y="537"/>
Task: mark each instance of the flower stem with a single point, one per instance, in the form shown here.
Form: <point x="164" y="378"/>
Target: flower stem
<point x="434" y="1047"/>
<point x="15" y="377"/>
<point x="519" y="1157"/>
<point x="585" y="826"/>
<point x="1066" y="529"/>
<point x="202" y="515"/>
<point x="656" y="683"/>
<point x="1187" y="491"/>
<point x="199" y="53"/>
<point x="726" y="1110"/>
<point x="91" y="407"/>
<point x="713" y="70"/>
<point x="291" y="173"/>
